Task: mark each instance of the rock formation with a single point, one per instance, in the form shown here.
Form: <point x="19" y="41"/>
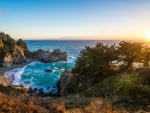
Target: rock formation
<point x="12" y="52"/>
<point x="48" y="70"/>
<point x="64" y="82"/>
<point x="41" y="55"/>
<point x="17" y="57"/>
<point x="8" y="60"/>
<point x="57" y="55"/>
<point x="47" y="56"/>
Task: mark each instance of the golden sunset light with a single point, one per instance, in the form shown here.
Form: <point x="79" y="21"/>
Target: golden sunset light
<point x="147" y="36"/>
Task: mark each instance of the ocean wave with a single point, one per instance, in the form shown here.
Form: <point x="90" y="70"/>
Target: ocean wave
<point x="33" y="76"/>
<point x="72" y="57"/>
<point x="11" y="72"/>
<point x="34" y="63"/>
<point x="17" y="76"/>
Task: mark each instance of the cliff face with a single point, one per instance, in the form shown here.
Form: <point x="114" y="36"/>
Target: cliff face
<point x="11" y="52"/>
<point x="17" y="56"/>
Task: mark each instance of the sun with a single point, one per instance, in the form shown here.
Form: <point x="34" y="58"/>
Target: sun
<point x="147" y="35"/>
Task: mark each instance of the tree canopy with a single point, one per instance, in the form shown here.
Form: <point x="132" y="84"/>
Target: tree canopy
<point x="95" y="61"/>
<point x="129" y="52"/>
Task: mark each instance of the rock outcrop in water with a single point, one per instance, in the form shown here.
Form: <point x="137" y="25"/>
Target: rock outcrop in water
<point x="47" y="56"/>
<point x="48" y="70"/>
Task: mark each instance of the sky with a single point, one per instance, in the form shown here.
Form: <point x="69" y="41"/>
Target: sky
<point x="75" y="19"/>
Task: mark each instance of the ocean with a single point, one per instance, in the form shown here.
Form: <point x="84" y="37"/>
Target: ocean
<point x="34" y="76"/>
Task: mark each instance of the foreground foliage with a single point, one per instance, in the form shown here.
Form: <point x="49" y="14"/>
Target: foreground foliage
<point x="23" y="103"/>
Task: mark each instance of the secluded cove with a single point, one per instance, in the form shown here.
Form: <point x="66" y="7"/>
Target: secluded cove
<point x="33" y="75"/>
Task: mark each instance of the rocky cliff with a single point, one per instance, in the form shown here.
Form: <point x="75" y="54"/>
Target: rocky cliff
<point x="16" y="57"/>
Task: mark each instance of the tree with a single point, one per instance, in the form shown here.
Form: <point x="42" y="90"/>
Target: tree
<point x="144" y="56"/>
<point x="23" y="44"/>
<point x="129" y="52"/>
<point x="7" y="45"/>
<point x="94" y="61"/>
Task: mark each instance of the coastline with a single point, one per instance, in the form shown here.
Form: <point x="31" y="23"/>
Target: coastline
<point x="8" y="81"/>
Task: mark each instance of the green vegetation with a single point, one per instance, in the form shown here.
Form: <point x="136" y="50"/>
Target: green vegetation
<point x="94" y="62"/>
<point x="129" y="52"/>
<point x="126" y="85"/>
<point x="7" y="45"/>
<point x="129" y="84"/>
<point x="22" y="44"/>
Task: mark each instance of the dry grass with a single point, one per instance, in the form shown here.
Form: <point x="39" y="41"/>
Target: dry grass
<point x="97" y="106"/>
<point x="18" y="105"/>
<point x="70" y="104"/>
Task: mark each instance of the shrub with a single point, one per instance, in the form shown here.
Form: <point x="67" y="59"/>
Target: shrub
<point x="127" y="85"/>
<point x="144" y="75"/>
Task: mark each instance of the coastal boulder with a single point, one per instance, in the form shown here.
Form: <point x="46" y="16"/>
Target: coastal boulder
<point x="8" y="60"/>
<point x="48" y="70"/>
<point x="68" y="83"/>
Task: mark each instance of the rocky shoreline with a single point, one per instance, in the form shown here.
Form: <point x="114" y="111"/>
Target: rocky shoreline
<point x="8" y="81"/>
<point x="39" y="55"/>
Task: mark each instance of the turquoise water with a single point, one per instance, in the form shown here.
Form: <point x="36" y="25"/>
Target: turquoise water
<point x="34" y="75"/>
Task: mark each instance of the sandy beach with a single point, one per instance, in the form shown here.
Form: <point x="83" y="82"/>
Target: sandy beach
<point x="7" y="81"/>
<point x="3" y="81"/>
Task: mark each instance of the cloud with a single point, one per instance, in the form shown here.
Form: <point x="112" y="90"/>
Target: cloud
<point x="3" y="13"/>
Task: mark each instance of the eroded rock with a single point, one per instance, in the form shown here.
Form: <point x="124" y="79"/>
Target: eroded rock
<point x="47" y="56"/>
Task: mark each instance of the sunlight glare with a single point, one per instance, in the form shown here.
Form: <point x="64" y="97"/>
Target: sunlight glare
<point x="147" y="36"/>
